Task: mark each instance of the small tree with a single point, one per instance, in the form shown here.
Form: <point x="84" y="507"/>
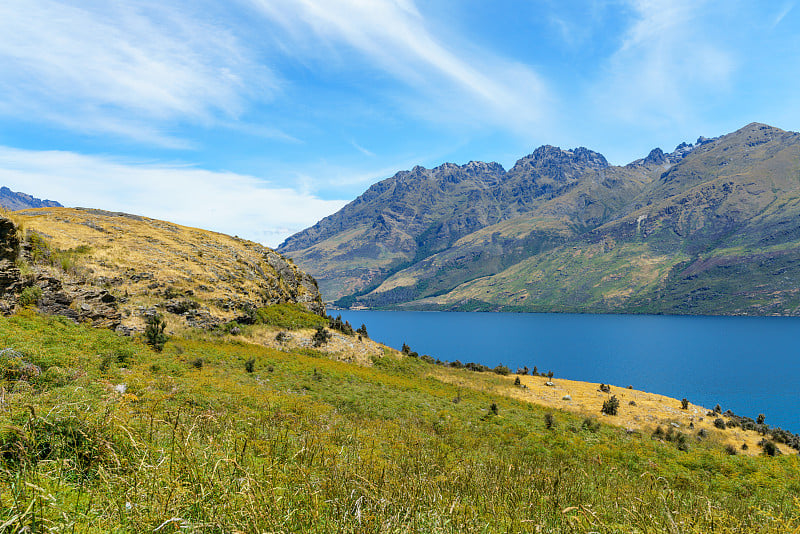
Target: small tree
<point x="760" y="419"/>
<point x="321" y="336"/>
<point x="494" y="409"/>
<point x="154" y="331"/>
<point x="610" y="406"/>
<point x="684" y="404"/>
<point x="406" y="349"/>
<point x="362" y="330"/>
<point x="517" y="382"/>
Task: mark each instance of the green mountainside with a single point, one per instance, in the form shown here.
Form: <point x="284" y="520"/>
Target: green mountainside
<point x="710" y="228"/>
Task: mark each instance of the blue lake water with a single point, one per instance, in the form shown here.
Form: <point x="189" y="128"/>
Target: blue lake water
<point x="750" y="365"/>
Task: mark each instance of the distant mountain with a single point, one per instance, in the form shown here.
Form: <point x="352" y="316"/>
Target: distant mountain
<point x="20" y="201"/>
<point x="712" y="227"/>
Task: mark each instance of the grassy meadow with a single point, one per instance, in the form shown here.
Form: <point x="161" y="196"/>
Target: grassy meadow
<point x="99" y="433"/>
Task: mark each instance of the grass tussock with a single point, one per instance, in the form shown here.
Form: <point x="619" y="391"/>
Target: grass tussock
<point x="114" y="437"/>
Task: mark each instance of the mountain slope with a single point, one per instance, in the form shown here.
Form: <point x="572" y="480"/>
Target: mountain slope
<point x="709" y="228"/>
<point x="113" y="269"/>
<point x="12" y="201"/>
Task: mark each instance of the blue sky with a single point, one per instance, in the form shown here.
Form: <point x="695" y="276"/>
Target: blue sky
<point x="259" y="117"/>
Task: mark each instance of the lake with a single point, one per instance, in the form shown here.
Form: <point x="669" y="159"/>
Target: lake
<point x="750" y="365"/>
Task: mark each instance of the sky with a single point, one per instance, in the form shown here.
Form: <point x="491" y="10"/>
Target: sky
<point x="257" y="118"/>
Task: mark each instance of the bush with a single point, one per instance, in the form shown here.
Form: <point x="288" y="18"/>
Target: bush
<point x="684" y="404"/>
<point x="770" y="449"/>
<point x="30" y="296"/>
<point x="282" y="337"/>
<point x="341" y="326"/>
<point x="197" y="363"/>
<point x="549" y="420"/>
<point x="610" y="406"/>
<point x="154" y="332"/>
<point x="718" y="409"/>
<point x="362" y="331"/>
<point x="517" y="382"/>
<point x="730" y="449"/>
<point x="720" y="423"/>
<point x="494" y="409"/>
<point x="321" y="336"/>
<point x="591" y="424"/>
<point x="760" y="419"/>
<point x="250" y="365"/>
<point x="502" y="370"/>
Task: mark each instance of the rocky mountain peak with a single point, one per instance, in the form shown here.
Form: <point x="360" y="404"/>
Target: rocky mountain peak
<point x="655" y="157"/>
<point x="547" y="156"/>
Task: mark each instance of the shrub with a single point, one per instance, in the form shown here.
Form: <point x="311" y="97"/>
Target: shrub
<point x="523" y="371"/>
<point x="549" y="420"/>
<point x="341" y="326"/>
<point x="717" y="409"/>
<point x="250" y="365"/>
<point x="494" y="409"/>
<point x="720" y="423"/>
<point x="154" y="332"/>
<point x="730" y="449"/>
<point x="684" y="404"/>
<point x="362" y="330"/>
<point x="760" y="419"/>
<point x="610" y="406"/>
<point x="658" y="433"/>
<point x="605" y="389"/>
<point x="517" y="382"/>
<point x="321" y="336"/>
<point x="535" y="371"/>
<point x="682" y="442"/>
<point x="502" y="370"/>
<point x="30" y="296"/>
<point x="406" y="349"/>
<point x="770" y="449"/>
<point x="197" y="363"/>
<point x="591" y="424"/>
<point x="282" y="337"/>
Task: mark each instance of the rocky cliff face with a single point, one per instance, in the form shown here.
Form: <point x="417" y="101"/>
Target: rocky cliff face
<point x="112" y="269"/>
<point x="13" y="201"/>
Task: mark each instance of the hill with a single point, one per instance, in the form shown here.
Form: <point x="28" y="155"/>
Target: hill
<point x="12" y="201"/>
<point x="114" y="269"/>
<point x="255" y="417"/>
<point x="710" y="228"/>
<point x="98" y="433"/>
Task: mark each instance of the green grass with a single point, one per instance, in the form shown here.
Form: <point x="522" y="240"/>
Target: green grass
<point x="308" y="444"/>
<point x="288" y="316"/>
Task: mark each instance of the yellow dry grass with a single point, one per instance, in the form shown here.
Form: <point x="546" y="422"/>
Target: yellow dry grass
<point x="585" y="398"/>
<point x="138" y="258"/>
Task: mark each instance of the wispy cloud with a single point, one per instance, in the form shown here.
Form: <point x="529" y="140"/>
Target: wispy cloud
<point x="456" y="79"/>
<point x="787" y="7"/>
<point x="122" y="68"/>
<point x="223" y="201"/>
<point x="665" y="57"/>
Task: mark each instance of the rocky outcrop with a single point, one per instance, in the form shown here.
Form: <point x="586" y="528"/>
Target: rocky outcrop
<point x="9" y="250"/>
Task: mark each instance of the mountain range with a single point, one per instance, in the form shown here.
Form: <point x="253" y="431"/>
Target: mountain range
<point x="13" y="201"/>
<point x="709" y="228"/>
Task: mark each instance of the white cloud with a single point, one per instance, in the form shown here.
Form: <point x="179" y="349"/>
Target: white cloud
<point x="121" y="67"/>
<point x="666" y="57"/>
<point x="222" y="201"/>
<point x="458" y="80"/>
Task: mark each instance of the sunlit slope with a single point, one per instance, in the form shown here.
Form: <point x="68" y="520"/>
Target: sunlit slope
<point x="222" y="435"/>
<point x="144" y="262"/>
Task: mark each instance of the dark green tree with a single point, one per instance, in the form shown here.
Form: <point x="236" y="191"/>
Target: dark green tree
<point x="154" y="331"/>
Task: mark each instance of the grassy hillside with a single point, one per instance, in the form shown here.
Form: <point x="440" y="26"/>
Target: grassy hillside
<point x="98" y="433"/>
<point x="192" y="276"/>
